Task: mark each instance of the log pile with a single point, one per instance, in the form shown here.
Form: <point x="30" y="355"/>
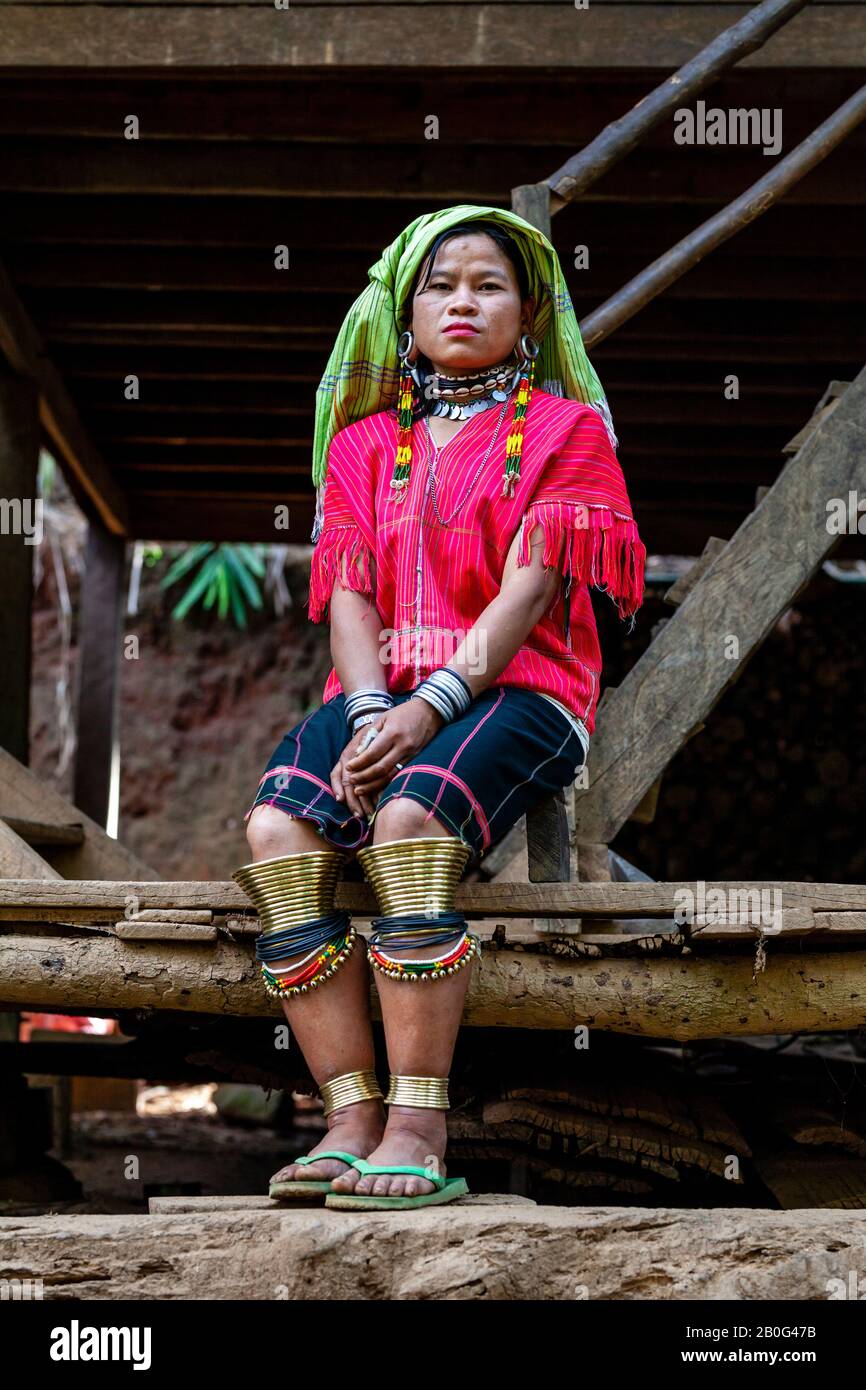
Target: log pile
<point x="723" y="1124"/>
<point x="604" y="1133"/>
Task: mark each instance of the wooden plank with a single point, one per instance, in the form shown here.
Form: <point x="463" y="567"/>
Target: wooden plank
<point x="20" y="531"/>
<point x="686" y="670"/>
<point x="96" y="900"/>
<point x="789" y="921"/>
<point x="839" y="923"/>
<point x="24" y="796"/>
<point x="260" y="169"/>
<point x="762" y="278"/>
<point x="43" y="832"/>
<point x="164" y="931"/>
<point x="98" y="671"/>
<point x="47" y="219"/>
<point x="361" y="36"/>
<point x="17" y="858"/>
<point x="26" y="353"/>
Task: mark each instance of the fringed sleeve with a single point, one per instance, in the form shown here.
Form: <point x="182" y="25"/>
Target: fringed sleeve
<point x="583" y="496"/>
<point x="341" y="540"/>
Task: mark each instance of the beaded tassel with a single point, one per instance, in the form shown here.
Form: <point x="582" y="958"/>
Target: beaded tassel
<point x="405" y="409"/>
<point x="313" y="975"/>
<point x="514" y="445"/>
<point x="423" y="970"/>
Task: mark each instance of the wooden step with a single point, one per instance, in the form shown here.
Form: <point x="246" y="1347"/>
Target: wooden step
<point x="40" y="832"/>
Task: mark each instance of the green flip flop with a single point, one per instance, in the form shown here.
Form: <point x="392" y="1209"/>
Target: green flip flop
<point x="310" y="1187"/>
<point x="446" y="1190"/>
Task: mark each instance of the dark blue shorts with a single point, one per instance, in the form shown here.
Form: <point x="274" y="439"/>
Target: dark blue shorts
<point x="477" y="775"/>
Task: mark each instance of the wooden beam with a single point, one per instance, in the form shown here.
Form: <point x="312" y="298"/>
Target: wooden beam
<point x="679" y="998"/>
<point x="26" y="353"/>
<point x="71" y="270"/>
<point x="531" y="201"/>
<point x="352" y="173"/>
<point x="97" y="732"/>
<point x="226" y="224"/>
<point x="526" y="36"/>
<point x="20" y="532"/>
<point x="691" y="663"/>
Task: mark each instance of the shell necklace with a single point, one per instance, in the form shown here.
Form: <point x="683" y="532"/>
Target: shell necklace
<point x="478" y="470"/>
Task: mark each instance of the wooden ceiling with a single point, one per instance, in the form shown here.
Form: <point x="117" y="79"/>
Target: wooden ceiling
<point x="154" y="258"/>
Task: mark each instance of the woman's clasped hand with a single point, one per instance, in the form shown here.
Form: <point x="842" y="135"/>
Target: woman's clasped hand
<point x="357" y="778"/>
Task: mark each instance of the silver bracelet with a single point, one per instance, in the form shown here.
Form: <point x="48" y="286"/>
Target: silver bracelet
<point x="447" y="692"/>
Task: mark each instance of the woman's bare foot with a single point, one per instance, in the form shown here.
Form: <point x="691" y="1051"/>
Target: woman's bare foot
<point x="356" y="1129"/>
<point x="412" y="1136"/>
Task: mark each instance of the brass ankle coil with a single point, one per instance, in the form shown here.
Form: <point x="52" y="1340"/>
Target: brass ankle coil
<point x="424" y="1092"/>
<point x="348" y="1089"/>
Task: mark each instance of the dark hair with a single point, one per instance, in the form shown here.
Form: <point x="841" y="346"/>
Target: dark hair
<point x="506" y="243"/>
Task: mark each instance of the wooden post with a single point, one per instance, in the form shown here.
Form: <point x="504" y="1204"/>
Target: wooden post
<point x="96" y="713"/>
<point x="531" y="201"/>
<point x="20" y="529"/>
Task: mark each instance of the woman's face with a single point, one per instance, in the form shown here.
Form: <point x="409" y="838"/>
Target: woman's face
<point x="469" y="315"/>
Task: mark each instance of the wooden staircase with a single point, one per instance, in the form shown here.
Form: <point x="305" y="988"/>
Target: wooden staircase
<point x="725" y="607"/>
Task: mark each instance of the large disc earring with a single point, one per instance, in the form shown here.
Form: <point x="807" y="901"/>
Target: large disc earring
<point x="529" y="348"/>
<point x="405" y="346"/>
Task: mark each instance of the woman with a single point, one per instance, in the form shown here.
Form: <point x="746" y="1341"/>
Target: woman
<point x="462" y="512"/>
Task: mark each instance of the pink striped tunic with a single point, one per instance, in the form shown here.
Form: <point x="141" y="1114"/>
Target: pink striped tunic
<point x="431" y="583"/>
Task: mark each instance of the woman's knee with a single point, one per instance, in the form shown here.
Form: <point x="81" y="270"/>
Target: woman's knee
<point x="403" y="818"/>
<point x="271" y="831"/>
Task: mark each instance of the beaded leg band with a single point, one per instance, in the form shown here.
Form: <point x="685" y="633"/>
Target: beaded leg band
<point x="294" y="897"/>
<point x="426" y="1092"/>
<point x="415" y="881"/>
<point x="349" y="1088"/>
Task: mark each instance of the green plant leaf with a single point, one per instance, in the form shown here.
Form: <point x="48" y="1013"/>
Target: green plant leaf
<point x="253" y="557"/>
<point x="222" y="580"/>
<point x="244" y="578"/>
<point x="198" y="586"/>
<point x="239" y="613"/>
<point x="185" y="562"/>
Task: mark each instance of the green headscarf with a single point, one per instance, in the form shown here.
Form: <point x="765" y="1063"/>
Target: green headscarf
<point x="363" y="372"/>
